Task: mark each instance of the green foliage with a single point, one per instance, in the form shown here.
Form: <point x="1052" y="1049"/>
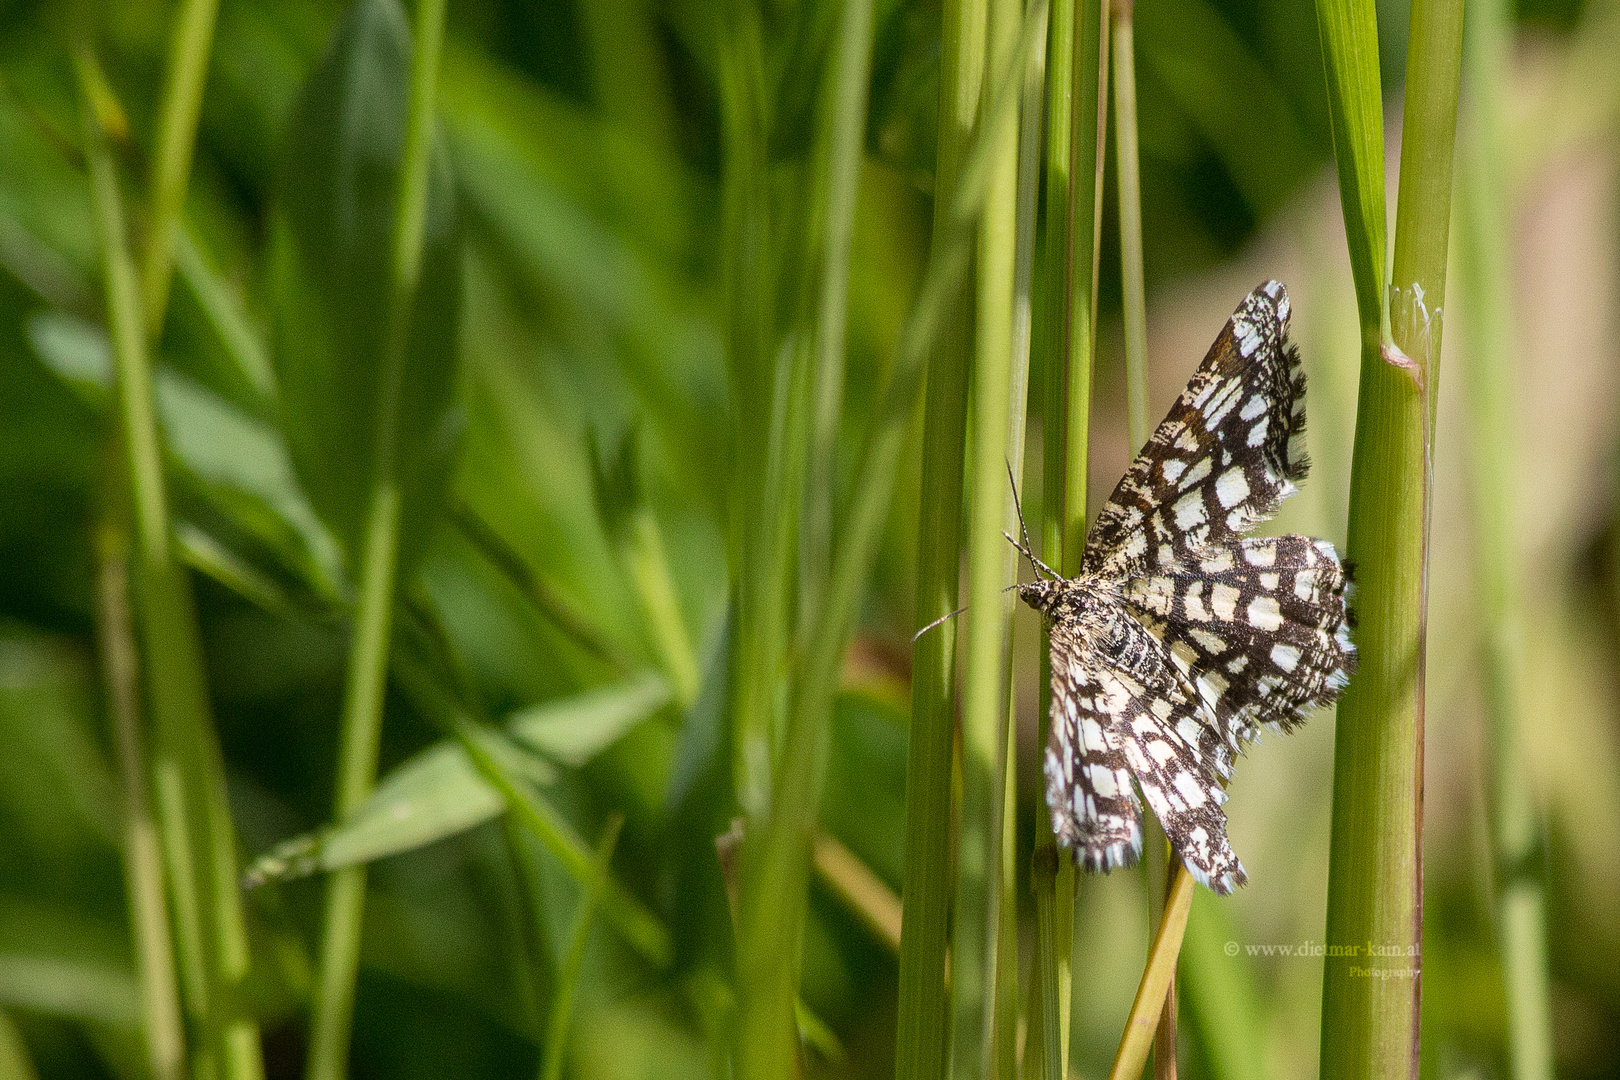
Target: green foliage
<point x="668" y="517"/>
<point x="332" y="257"/>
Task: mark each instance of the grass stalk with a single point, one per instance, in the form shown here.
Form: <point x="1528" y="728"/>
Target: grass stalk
<point x="1156" y="858"/>
<point x="574" y="959"/>
<point x="366" y="679"/>
<point x="776" y="859"/>
<point x="162" y="1023"/>
<point x="976" y="933"/>
<point x="1518" y="836"/>
<point x="187" y="72"/>
<point x="760" y="402"/>
<point x="197" y="835"/>
<point x="1375" y="882"/>
<point x="1129" y="174"/>
<point x="1142" y="1027"/>
<point x="1075" y="141"/>
<point x="921" y="1041"/>
<point x="862" y="891"/>
<point x="841" y="145"/>
<point x="1030" y="168"/>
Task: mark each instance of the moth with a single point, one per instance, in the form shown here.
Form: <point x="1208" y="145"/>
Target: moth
<point x="1181" y="637"/>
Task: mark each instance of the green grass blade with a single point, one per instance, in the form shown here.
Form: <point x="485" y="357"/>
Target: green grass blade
<point x="1221" y="1005"/>
<point x="224" y="313"/>
<point x="976" y="932"/>
<point x="197" y="833"/>
<point x="1349" y="31"/>
<point x="1129" y="171"/>
<point x="1075" y="141"/>
<point x="439" y="792"/>
<point x="494" y="757"/>
<point x="1485" y="226"/>
<point x="187" y="70"/>
<point x="637" y="544"/>
<point x="1375" y="880"/>
<point x="837" y="165"/>
<point x="15" y="1062"/>
<point x="162" y="1024"/>
<point x="921" y="1043"/>
<point x="777" y="858"/>
<point x="1031" y="164"/>
<point x="574" y="959"/>
<point x="377" y="558"/>
<point x="761" y="399"/>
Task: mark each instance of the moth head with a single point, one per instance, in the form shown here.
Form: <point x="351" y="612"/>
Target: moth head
<point x="1041" y="594"/>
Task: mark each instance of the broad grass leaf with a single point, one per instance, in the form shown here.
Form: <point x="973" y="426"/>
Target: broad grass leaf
<point x="440" y="792"/>
<point x="237" y="462"/>
<point x="331" y="257"/>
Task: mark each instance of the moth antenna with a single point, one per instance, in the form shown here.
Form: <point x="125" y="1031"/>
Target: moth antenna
<point x="943" y="618"/>
<point x="1028" y="548"/>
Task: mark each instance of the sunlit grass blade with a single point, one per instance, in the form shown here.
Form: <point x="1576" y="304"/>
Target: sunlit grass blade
<point x="976" y="933"/>
<point x="1485" y="225"/>
<point x="921" y="1040"/>
<point x="1077" y="114"/>
<point x="1158" y="977"/>
<point x="866" y="894"/>
<point x="1375" y="880"/>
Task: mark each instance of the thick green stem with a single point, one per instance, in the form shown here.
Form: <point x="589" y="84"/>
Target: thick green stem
<point x="976" y="932"/>
<point x="189" y="49"/>
<point x="1375" y="882"/>
<point x="1518" y="834"/>
<point x="921" y="1041"/>
<point x="366" y="680"/>
<point x="189" y="774"/>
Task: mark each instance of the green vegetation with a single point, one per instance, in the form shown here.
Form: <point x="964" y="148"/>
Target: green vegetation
<point x="474" y="473"/>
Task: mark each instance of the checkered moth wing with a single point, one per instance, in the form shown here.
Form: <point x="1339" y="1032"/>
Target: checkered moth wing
<point x="1121" y="712"/>
<point x="1229" y="451"/>
<point x="1260" y="627"/>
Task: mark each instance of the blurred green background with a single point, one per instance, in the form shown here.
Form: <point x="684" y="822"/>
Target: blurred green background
<point x="584" y="141"/>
